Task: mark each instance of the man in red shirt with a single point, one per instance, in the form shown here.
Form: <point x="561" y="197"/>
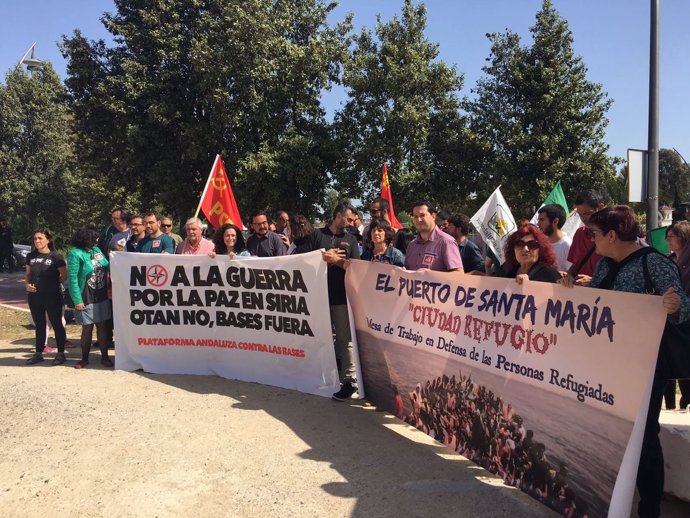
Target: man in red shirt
<point x="582" y="255"/>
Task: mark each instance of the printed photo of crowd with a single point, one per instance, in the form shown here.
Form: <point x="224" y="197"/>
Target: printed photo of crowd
<point x="476" y="423"/>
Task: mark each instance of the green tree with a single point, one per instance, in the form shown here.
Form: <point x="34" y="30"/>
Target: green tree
<point x="674" y="178"/>
<point x="403" y="107"/>
<point x="187" y="79"/>
<point x="544" y="121"/>
<point x="36" y="153"/>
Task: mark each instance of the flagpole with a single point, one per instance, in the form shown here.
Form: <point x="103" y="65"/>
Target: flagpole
<point x="208" y="182"/>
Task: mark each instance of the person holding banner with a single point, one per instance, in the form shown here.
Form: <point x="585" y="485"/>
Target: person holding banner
<point x="340" y="246"/>
<point x="628" y="266"/>
<point x="529" y="256"/>
<point x="87" y="272"/>
<point x="229" y="241"/>
<point x="194" y="243"/>
<point x="432" y="248"/>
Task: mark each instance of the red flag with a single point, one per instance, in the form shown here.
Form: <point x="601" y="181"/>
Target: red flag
<point x="217" y="201"/>
<point x="388" y="196"/>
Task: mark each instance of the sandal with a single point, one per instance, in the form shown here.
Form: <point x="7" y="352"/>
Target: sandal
<point x="107" y="362"/>
<point x="81" y="364"/>
<point x="36" y="358"/>
<point x="59" y="359"/>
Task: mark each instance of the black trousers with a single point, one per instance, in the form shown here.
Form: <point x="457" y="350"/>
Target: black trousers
<point x="41" y="304"/>
<point x="650" y="472"/>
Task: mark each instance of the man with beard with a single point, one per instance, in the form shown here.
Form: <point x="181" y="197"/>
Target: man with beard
<point x="156" y="242"/>
<point x="263" y="242"/>
<point x="340" y="246"/>
<point x="582" y="255"/>
<point x="432" y="248"/>
<point x="138" y="233"/>
<point x="550" y="221"/>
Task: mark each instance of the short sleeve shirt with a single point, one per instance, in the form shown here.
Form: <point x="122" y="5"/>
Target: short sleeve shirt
<point x="157" y="245"/>
<point x="43" y="271"/>
<point x="440" y="252"/>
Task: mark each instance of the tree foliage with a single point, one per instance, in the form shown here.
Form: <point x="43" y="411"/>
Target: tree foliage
<point x="674" y="178"/>
<point x="403" y="107"/>
<point x="187" y="79"/>
<point x="36" y="157"/>
<point x="544" y="121"/>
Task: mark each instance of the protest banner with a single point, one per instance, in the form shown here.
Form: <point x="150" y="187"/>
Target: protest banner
<point x="264" y="320"/>
<point x="545" y="386"/>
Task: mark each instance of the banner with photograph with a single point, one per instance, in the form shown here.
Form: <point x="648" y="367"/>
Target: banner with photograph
<point x="542" y="385"/>
<point x="264" y="320"/>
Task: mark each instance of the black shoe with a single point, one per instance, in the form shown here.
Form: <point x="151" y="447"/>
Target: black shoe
<point x="345" y="392"/>
<point x="36" y="358"/>
<point x="59" y="359"/>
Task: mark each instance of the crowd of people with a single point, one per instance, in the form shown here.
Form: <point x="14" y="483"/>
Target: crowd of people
<point x="606" y="252"/>
<point x="475" y="422"/>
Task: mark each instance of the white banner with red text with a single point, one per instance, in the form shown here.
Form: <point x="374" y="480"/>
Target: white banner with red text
<point x="264" y="320"/>
<point x="545" y="386"/>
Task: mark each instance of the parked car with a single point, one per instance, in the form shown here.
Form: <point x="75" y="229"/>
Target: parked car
<point x="20" y="252"/>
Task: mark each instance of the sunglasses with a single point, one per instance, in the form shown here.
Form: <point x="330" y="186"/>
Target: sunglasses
<point x="166" y="226"/>
<point x="531" y="245"/>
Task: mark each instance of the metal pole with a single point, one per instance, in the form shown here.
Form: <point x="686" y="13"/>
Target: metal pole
<point x="653" y="135"/>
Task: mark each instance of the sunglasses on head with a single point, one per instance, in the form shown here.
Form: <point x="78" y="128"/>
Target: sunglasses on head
<point x="531" y="245"/>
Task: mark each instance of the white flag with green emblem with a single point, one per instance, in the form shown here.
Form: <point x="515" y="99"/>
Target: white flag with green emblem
<point x="495" y="223"/>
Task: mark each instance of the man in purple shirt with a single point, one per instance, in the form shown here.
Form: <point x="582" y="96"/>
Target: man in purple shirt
<point x="432" y="248"/>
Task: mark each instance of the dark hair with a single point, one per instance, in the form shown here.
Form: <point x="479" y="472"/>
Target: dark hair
<point x="442" y="215"/>
<point x="403" y="238"/>
<point x="680" y="229"/>
<point x="427" y="203"/>
<point x="154" y="214"/>
<point x="383" y="204"/>
<point x="546" y="254"/>
<point x="342" y="208"/>
<point x="49" y="237"/>
<point x="256" y="214"/>
<point x="125" y="216"/>
<point x="300" y="227"/>
<point x="382" y="224"/>
<point x="590" y="198"/>
<point x="220" y="242"/>
<point x="553" y="211"/>
<point x="461" y="222"/>
<point x="84" y="237"/>
<point x="620" y="219"/>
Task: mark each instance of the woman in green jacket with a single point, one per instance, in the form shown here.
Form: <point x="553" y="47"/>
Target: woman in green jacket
<point x="87" y="282"/>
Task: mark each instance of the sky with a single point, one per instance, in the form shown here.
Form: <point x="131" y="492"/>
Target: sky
<point x="611" y="36"/>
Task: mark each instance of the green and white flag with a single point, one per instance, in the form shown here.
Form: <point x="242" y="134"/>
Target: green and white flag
<point x="555" y="196"/>
<point x="495" y="223"/>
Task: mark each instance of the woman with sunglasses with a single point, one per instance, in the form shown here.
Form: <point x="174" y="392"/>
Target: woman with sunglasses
<point x="529" y="256"/>
<point x="629" y="266"/>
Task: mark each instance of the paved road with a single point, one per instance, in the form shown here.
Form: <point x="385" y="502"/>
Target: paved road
<point x="12" y="290"/>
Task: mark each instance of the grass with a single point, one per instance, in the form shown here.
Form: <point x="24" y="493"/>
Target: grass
<point x="14" y="325"/>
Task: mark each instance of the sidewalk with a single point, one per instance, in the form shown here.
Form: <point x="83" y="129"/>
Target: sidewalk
<point x="99" y="442"/>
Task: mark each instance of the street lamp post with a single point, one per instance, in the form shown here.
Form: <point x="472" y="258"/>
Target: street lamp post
<point x="653" y="129"/>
